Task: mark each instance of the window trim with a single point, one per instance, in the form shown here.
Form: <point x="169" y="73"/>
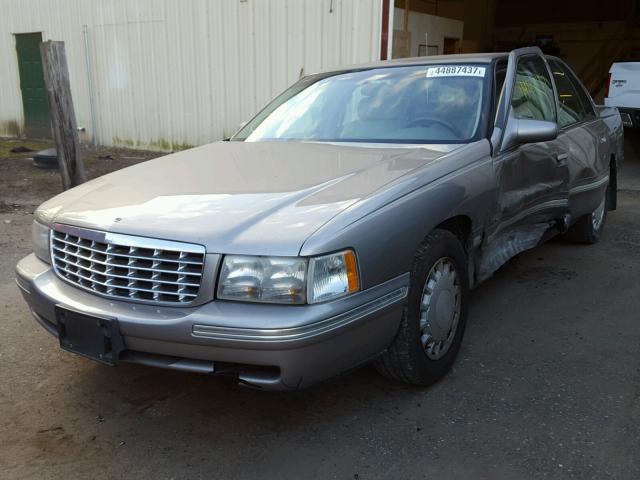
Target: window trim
<point x="495" y="95"/>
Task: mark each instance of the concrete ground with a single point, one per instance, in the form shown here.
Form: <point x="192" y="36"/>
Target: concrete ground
<point x="547" y="385"/>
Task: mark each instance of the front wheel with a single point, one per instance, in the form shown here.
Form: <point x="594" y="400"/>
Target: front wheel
<point x="434" y="316"/>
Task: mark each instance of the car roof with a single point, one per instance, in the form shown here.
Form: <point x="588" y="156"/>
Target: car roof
<point x="425" y="60"/>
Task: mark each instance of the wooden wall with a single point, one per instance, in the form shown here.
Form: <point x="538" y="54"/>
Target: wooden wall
<point x="510" y="13"/>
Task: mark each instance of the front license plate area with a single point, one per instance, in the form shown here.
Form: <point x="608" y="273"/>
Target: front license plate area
<point x="92" y="337"/>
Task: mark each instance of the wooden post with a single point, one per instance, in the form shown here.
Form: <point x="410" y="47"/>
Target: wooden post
<point x="405" y="23"/>
<point x="63" y="117"/>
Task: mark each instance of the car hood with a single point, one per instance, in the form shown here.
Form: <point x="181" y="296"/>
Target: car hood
<point x="237" y="197"/>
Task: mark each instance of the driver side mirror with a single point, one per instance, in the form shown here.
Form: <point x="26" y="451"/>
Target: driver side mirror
<point x="520" y="131"/>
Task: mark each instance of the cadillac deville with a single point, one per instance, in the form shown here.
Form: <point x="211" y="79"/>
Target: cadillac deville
<point x="345" y="224"/>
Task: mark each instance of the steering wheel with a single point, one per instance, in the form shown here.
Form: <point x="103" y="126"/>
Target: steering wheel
<point x="425" y="121"/>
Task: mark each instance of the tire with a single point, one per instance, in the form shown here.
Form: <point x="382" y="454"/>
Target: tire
<point x="588" y="229"/>
<point x="411" y="358"/>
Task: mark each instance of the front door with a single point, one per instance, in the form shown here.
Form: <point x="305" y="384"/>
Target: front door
<point x="532" y="179"/>
<point x="34" y="94"/>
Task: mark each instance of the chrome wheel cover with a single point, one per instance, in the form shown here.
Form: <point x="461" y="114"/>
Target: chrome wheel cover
<point x="440" y="309"/>
<point x="597" y="217"/>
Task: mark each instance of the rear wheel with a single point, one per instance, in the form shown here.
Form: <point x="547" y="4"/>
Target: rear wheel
<point x="434" y="316"/>
<point x="588" y="229"/>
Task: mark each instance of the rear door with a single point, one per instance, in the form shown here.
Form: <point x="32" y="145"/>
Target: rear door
<point x="585" y="139"/>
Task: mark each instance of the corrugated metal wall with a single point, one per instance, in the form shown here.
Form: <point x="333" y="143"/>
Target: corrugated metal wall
<point x="172" y="73"/>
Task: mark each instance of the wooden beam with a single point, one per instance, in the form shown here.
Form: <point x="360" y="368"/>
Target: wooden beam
<point x="63" y="117"/>
<point x="406" y="14"/>
<point x="384" y="37"/>
<point x="423" y="6"/>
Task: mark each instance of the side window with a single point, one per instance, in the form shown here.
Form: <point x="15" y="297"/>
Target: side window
<point x="533" y="97"/>
<point x="562" y="73"/>
<point x="583" y="96"/>
<point x="571" y="107"/>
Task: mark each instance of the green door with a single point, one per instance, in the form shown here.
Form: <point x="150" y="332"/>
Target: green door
<point x="34" y="93"/>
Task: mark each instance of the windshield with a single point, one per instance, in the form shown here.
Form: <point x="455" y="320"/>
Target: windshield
<point x="416" y="104"/>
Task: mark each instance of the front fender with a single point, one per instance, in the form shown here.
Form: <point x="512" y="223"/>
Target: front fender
<point x="386" y="228"/>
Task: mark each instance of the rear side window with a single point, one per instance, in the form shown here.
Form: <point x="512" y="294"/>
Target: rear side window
<point x="582" y="94"/>
<point x="533" y="96"/>
<point x="574" y="105"/>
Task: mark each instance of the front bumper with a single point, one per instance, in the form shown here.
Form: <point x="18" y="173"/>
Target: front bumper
<point x="267" y="346"/>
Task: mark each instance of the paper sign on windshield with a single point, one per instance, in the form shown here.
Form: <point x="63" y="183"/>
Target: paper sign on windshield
<point x="456" y="71"/>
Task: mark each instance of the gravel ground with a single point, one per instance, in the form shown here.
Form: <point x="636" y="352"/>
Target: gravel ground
<point x="23" y="187"/>
<point x="547" y="384"/>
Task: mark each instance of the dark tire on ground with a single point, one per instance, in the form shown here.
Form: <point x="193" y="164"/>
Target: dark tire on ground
<point x="588" y="229"/>
<point x="405" y="359"/>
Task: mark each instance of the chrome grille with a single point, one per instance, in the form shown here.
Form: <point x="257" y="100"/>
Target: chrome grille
<point x="128" y="267"/>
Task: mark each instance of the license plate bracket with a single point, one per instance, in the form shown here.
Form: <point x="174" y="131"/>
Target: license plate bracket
<point x="92" y="337"/>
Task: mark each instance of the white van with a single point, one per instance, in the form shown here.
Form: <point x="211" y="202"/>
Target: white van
<point x="623" y="91"/>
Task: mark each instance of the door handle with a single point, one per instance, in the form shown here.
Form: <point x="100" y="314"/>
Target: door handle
<point x="561" y="158"/>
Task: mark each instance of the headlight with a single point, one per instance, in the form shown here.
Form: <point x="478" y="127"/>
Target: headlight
<point x="333" y="276"/>
<point x="40" y="240"/>
<point x="291" y="280"/>
<point x="263" y="279"/>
